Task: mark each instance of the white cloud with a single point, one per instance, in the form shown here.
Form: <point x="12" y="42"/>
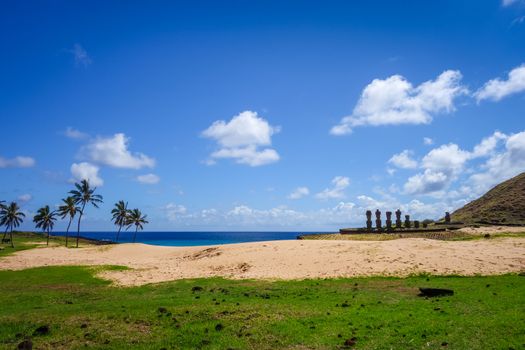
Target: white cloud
<point x="248" y="155"/>
<point x="17" y="162"/>
<point x="403" y="160"/>
<point x="245" y="138"/>
<point x="394" y="101"/>
<point x="428" y="141"/>
<point x="174" y="211"/>
<point x="427" y="182"/>
<point x="25" y="197"/>
<point x="149" y="179"/>
<point x="488" y="144"/>
<point x="502" y="165"/>
<point x="113" y="151"/>
<point x="445" y="164"/>
<point x="73" y="133"/>
<point x="447" y="158"/>
<point x="81" y="56"/>
<point x="509" y="2"/>
<point x="299" y="193"/>
<point x="86" y="171"/>
<point x="340" y="183"/>
<point x="496" y="89"/>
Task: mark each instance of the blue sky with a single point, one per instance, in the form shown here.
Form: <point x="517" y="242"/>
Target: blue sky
<point x="261" y="115"/>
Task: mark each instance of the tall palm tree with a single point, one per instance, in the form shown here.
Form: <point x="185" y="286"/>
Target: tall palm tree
<point x="45" y="219"/>
<point x="11" y="217"/>
<point x="69" y="208"/>
<point x="84" y="195"/>
<point x="136" y="219"/>
<point x="120" y="216"/>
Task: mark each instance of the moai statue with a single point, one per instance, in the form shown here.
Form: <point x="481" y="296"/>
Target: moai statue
<point x="369" y="220"/>
<point x="378" y="220"/>
<point x="389" y="220"/>
<point x="425" y="224"/>
<point x="399" y="224"/>
<point x="407" y="221"/>
<point x="416" y="223"/>
<point x="447" y="217"/>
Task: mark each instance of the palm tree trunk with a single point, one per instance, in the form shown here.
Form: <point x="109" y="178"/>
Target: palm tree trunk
<point x="135" y="235"/>
<point x="67" y="231"/>
<point x="11" y="236"/>
<point x="118" y="232"/>
<point x="47" y="243"/>
<point x="80" y="217"/>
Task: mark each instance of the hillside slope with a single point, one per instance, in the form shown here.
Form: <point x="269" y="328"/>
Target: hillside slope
<point x="504" y="204"/>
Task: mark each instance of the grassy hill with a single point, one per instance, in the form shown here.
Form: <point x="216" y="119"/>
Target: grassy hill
<point x="504" y="204"/>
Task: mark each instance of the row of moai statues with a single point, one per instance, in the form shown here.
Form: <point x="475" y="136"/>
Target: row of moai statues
<point x="398" y="224"/>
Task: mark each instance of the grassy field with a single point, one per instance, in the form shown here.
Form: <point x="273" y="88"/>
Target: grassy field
<point x="69" y="308"/>
<point x="29" y="240"/>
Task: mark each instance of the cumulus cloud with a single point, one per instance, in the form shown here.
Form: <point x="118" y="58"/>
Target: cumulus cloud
<point x="113" y="151"/>
<point x="174" y="211"/>
<point x="502" y="165"/>
<point x="25" y="198"/>
<point x="441" y="166"/>
<point x="80" y="55"/>
<point x="73" y="133"/>
<point x="488" y="144"/>
<point x="509" y="2"/>
<point x="299" y="193"/>
<point x="403" y="160"/>
<point x="17" y="162"/>
<point x="427" y="182"/>
<point x="246" y="138"/>
<point x="447" y="158"/>
<point x="86" y="171"/>
<point x="428" y="141"/>
<point x="149" y="179"/>
<point x="496" y="89"/>
<point x="395" y="101"/>
<point x="340" y="183"/>
<point x="445" y="164"/>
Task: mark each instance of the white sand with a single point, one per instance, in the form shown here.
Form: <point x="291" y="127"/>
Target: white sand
<point x="295" y="259"/>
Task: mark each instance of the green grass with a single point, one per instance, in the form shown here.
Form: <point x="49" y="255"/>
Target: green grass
<point x="29" y="240"/>
<point x="380" y="313"/>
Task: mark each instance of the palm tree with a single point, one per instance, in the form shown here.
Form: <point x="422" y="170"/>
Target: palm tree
<point x="45" y="219"/>
<point x="120" y="216"/>
<point x="69" y="208"/>
<point x="136" y="218"/>
<point x="11" y="217"/>
<point x="84" y="195"/>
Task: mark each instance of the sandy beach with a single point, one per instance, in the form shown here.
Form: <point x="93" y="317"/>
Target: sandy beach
<point x="286" y="259"/>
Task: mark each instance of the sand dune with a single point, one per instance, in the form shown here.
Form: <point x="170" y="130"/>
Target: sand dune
<point x="286" y="259"/>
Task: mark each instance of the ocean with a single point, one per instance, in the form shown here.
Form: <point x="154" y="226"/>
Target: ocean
<point x="185" y="239"/>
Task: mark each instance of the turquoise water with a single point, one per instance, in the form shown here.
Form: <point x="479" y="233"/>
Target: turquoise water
<point x="184" y="239"/>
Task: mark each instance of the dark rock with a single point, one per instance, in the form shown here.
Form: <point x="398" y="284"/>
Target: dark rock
<point x="162" y="310"/>
<point x="219" y="327"/>
<point x="83" y="325"/>
<point x="25" y="345"/>
<point x="42" y="330"/>
<point x="435" y="292"/>
<point x="487" y="235"/>
<point x="350" y="342"/>
<point x="444" y="343"/>
<point x="196" y="289"/>
<point x="345" y="305"/>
